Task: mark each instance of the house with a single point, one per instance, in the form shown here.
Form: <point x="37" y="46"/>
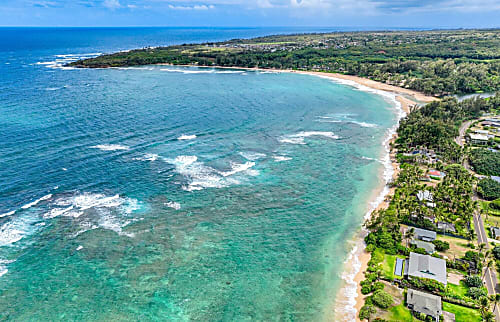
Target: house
<point x="429" y="248"/>
<point x="427" y="197"/>
<point x="478" y="139"/>
<point x="446" y="227"/>
<point x="425" y="303"/>
<point x="424" y="234"/>
<point x="495" y="232"/>
<point x="425" y="266"/>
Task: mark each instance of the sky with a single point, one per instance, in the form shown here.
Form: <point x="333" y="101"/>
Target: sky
<point x="253" y="13"/>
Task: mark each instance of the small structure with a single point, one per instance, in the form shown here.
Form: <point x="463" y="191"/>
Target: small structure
<point x="497" y="179"/>
<point x="485" y="132"/>
<point x="436" y="173"/>
<point x="425" y="266"/>
<point x="495" y="232"/>
<point x="424" y="234"/>
<point x="425" y="303"/>
<point x="398" y="268"/>
<point x="446" y="227"/>
<point x="479" y="139"/>
<point x="429" y="248"/>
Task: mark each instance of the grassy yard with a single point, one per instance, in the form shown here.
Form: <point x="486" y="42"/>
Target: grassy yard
<point x="460" y="290"/>
<point x="458" y="246"/>
<point x="400" y="313"/>
<point x="462" y="314"/>
<point x="389" y="264"/>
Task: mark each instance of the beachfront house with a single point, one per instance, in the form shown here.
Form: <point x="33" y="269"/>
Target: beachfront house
<point x="424" y="234"/>
<point x="428" y="247"/>
<point x="425" y="266"/>
<point x="426" y="197"/>
<point x="424" y="303"/>
<point x="446" y="227"/>
<point x="479" y="139"/>
<point x="495" y="232"/>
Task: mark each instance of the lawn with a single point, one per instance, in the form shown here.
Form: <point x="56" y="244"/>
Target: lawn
<point x="388" y="266"/>
<point x="458" y="246"/>
<point x="400" y="313"/>
<point x="462" y="314"/>
<point x="460" y="290"/>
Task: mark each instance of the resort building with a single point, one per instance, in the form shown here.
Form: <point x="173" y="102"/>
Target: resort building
<point x="425" y="266"/>
<point x="425" y="235"/>
<point x="436" y="173"/>
<point x="425" y="303"/>
<point x="429" y="248"/>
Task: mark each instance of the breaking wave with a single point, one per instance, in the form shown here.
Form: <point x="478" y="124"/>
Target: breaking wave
<point x="110" y="147"/>
<point x="299" y="137"/>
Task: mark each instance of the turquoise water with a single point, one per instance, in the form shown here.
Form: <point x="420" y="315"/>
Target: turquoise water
<point x="162" y="193"/>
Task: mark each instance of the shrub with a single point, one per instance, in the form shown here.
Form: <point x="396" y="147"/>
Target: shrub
<point x="477" y="292"/>
<point x="378" y="286"/>
<point x="441" y="245"/>
<point x="489" y="189"/>
<point x="473" y="281"/>
<point x="366" y="311"/>
<point x="382" y="299"/>
<point x="495" y="204"/>
<point x="485" y="162"/>
<point x="496" y="252"/>
<point x="427" y="284"/>
<point x="366" y="289"/>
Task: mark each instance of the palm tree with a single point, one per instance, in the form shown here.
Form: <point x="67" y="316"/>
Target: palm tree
<point x="495" y="299"/>
<point x="410" y="233"/>
<point x="488" y="266"/>
<point x="488" y="317"/>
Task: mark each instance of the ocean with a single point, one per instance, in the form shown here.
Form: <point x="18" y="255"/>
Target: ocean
<point x="176" y="193"/>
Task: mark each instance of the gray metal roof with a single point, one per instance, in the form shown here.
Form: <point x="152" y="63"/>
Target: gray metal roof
<point x="424" y="233"/>
<point x="426" y="266"/>
<point x="429" y="248"/>
<point x="424" y="303"/>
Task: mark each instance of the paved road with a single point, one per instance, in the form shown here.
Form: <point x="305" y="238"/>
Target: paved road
<point x="482" y="237"/>
<point x="460" y="138"/>
<point x="490" y="278"/>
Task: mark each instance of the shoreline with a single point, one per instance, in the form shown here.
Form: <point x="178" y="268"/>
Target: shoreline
<point x="349" y="299"/>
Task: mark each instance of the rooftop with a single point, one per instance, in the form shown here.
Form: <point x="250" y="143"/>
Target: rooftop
<point x="429" y="248"/>
<point x="426" y="266"/>
<point x="479" y="137"/>
<point x="424" y="234"/>
<point x="424" y="303"/>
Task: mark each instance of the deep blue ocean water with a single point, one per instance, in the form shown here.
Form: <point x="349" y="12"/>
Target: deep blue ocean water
<point x="169" y="193"/>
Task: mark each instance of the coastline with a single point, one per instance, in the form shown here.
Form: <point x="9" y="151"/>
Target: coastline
<point x="349" y="299"/>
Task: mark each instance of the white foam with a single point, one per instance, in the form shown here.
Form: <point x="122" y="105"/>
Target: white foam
<point x="110" y="147"/>
<point x="148" y="157"/>
<point x="10" y="213"/>
<point x="36" y="202"/>
<point x="237" y="167"/>
<point x="281" y="158"/>
<point x="173" y="204"/>
<point x="3" y="267"/>
<point x="80" y="247"/>
<point x="200" y="176"/>
<point x="252" y="156"/>
<point x="186" y="137"/>
<point x="61" y="60"/>
<point x="17" y="228"/>
<point x="344" y="119"/>
<point x="64" y="169"/>
<point x="299" y="137"/>
<point x="349" y="291"/>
